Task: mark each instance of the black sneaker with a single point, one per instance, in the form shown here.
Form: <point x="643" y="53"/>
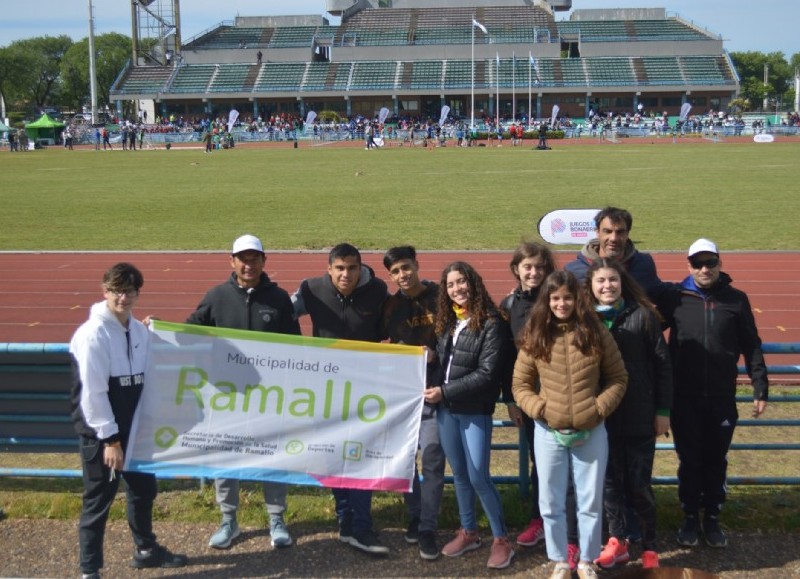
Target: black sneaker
<point x="412" y="533"/>
<point x="369" y="543"/>
<point x="713" y="533"/>
<point x="346" y="530"/>
<point x="157" y="556"/>
<point x="428" y="549"/>
<point x="688" y="533"/>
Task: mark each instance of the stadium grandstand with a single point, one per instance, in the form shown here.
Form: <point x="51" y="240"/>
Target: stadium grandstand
<point x="415" y="56"/>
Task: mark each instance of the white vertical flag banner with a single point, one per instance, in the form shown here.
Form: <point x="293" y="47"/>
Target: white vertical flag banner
<point x="223" y="403"/>
<point x="233" y="115"/>
<point x="443" y="115"/>
<point x="383" y="115"/>
<point x="554" y="116"/>
<point x="480" y="26"/>
<point x="685" y="109"/>
<point x="310" y="117"/>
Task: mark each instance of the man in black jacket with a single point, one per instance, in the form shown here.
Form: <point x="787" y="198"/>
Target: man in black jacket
<point x="346" y="303"/>
<point x="711" y="325"/>
<point x="408" y="318"/>
<point x="249" y="300"/>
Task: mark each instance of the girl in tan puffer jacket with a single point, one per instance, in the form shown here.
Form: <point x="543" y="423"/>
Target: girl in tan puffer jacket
<point x="569" y="376"/>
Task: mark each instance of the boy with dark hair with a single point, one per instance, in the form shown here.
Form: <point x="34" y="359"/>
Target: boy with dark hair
<point x="346" y="303"/>
<point x="408" y="318"/>
<point x="110" y="353"/>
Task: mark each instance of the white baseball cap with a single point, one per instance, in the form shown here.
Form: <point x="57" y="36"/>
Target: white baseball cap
<point x="702" y="245"/>
<point x="247" y="243"/>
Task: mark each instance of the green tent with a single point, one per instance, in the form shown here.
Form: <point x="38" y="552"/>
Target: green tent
<point x="44" y="128"/>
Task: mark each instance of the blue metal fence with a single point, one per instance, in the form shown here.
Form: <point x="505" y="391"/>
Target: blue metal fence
<point x="23" y="430"/>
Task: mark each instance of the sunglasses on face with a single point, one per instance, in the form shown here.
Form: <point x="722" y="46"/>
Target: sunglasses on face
<point x="701" y="263"/>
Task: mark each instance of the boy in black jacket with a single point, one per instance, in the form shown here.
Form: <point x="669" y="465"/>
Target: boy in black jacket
<point x="408" y="318"/>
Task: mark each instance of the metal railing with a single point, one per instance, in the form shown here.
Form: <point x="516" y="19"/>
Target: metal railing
<point x="49" y="365"/>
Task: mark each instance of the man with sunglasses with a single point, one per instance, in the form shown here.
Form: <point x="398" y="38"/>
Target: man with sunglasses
<point x="711" y="325"/>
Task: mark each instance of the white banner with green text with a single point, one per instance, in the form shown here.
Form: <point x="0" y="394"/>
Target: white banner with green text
<point x="223" y="403"/>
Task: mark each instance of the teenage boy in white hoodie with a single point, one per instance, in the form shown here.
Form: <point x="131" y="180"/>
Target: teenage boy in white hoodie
<point x="110" y="353"/>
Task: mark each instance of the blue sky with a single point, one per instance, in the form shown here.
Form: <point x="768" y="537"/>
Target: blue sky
<point x="766" y="25"/>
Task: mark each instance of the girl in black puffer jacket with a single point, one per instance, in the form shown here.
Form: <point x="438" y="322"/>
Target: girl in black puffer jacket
<point x="643" y="414"/>
<point x="473" y="342"/>
<point x="530" y="264"/>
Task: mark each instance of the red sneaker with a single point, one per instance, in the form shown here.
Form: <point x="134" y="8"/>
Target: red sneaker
<point x="649" y="559"/>
<point x="615" y="552"/>
<point x="573" y="556"/>
<point x="533" y="535"/>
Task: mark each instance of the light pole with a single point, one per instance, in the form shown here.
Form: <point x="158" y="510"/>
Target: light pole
<point x="475" y="23"/>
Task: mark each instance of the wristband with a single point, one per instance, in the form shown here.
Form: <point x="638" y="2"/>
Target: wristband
<point x="115" y="444"/>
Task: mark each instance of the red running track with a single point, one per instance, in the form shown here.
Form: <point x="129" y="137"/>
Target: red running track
<point x="45" y="296"/>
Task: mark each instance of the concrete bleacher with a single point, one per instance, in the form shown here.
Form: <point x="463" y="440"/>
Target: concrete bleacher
<point x="316" y="76"/>
<point x="629" y="30"/>
<point x="450" y="74"/>
<point x="610" y="71"/>
<point x="280" y="76"/>
<point x="452" y="25"/>
<point x="458" y="74"/>
<point x="233" y="78"/>
<point x="231" y="37"/>
<point x="705" y="69"/>
<point x="375" y="75"/>
<point x="426" y="74"/>
<point x="662" y="70"/>
<point x="293" y="36"/>
<point x="145" y="79"/>
<point x="192" y="78"/>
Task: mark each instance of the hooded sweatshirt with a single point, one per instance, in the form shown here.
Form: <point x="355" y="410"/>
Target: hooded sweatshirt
<point x="639" y="265"/>
<point x="109" y="363"/>
<point x="333" y="315"/>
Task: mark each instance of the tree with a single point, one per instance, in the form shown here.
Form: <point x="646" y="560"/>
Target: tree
<point x="750" y="66"/>
<point x="38" y="67"/>
<point x="112" y="51"/>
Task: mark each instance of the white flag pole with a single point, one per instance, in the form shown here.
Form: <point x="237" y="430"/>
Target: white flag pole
<point x="513" y="86"/>
<point x="530" y="74"/>
<point x="472" y="84"/>
<point x="497" y="98"/>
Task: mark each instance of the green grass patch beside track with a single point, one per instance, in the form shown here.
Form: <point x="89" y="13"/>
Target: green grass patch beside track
<point x="742" y="195"/>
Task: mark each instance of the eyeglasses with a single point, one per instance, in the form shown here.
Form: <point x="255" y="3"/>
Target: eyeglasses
<point x="128" y="292"/>
<point x="701" y="263"/>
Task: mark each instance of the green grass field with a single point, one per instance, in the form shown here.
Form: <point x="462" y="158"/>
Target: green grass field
<point x="450" y="198"/>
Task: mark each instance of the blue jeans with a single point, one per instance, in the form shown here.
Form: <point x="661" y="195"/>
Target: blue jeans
<point x="354" y="505"/>
<point x="588" y="466"/>
<point x="466" y="440"/>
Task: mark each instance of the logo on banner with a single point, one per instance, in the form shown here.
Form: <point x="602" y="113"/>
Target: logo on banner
<point x="557" y="226"/>
<point x="353" y="450"/>
<point x="295" y="447"/>
<point x="166" y="436"/>
<point x="568" y="226"/>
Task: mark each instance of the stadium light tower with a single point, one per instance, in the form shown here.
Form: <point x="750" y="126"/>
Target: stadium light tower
<point x="155" y="32"/>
